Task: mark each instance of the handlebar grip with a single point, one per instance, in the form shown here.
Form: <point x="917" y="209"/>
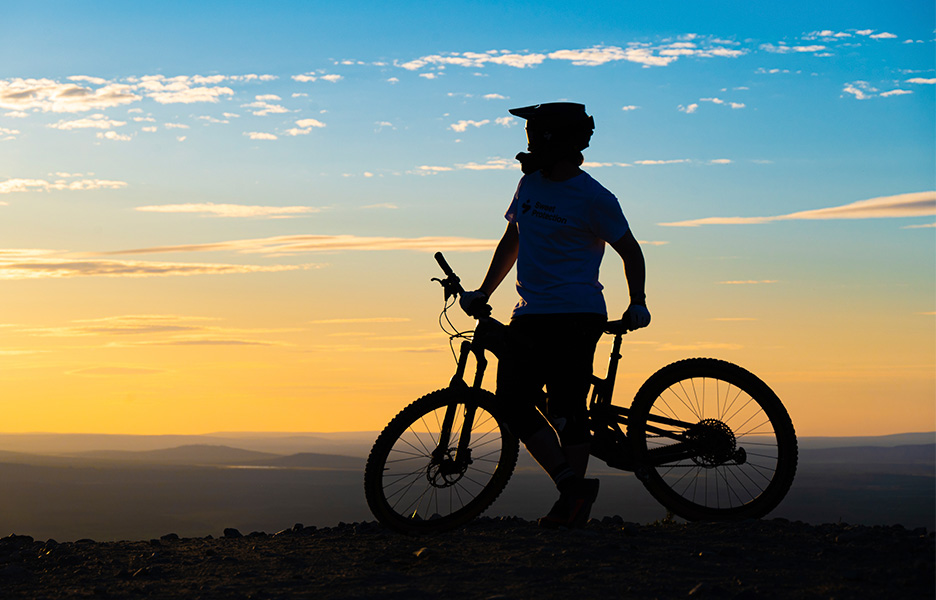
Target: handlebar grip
<point x="445" y="266"/>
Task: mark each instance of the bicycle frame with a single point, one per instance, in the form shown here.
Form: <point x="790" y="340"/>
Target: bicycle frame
<point x="607" y="422"/>
<point x="684" y="435"/>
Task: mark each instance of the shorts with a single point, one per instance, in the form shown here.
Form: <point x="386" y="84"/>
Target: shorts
<point x="554" y="351"/>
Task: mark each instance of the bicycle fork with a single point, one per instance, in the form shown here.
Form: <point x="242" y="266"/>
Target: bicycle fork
<point x="449" y="464"/>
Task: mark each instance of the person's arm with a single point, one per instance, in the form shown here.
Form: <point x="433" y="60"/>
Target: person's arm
<point x="635" y="269"/>
<point x="505" y="255"/>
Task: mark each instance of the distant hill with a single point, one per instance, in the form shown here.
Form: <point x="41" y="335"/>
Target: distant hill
<point x="310" y="460"/>
<point x="911" y="454"/>
<point x="193" y="454"/>
<point x="896" y="439"/>
<point x="348" y="444"/>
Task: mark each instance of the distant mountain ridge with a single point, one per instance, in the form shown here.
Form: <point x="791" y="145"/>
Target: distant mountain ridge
<point x="253" y="448"/>
<point x="910" y="454"/>
<point x="203" y="454"/>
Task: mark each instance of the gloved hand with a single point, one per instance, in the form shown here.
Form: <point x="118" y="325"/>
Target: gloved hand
<point x="636" y="316"/>
<point x="472" y="302"/>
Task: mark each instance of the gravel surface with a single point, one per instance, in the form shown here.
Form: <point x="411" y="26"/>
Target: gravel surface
<point x="490" y="558"/>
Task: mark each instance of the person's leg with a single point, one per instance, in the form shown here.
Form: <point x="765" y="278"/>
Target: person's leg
<point x="544" y="447"/>
<point x="577" y="456"/>
<point x="519" y="390"/>
<point x="568" y="384"/>
<point x="521" y="372"/>
<point x="573" y="340"/>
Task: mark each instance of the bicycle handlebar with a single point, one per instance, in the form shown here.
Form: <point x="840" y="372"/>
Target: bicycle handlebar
<point x="618" y="327"/>
<point x="445" y="266"/>
<point x="452" y="285"/>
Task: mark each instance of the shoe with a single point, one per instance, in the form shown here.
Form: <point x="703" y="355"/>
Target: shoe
<point x="573" y="507"/>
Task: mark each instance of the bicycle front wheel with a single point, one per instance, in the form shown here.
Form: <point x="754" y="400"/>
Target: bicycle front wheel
<point x="712" y="441"/>
<point x="421" y="478"/>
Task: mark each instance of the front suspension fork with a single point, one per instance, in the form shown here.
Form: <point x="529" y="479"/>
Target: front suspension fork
<point x="463" y="453"/>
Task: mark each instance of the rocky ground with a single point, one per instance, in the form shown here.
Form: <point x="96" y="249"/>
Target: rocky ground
<point x="490" y="558"/>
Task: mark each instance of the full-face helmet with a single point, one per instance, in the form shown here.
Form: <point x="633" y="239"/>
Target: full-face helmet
<point x="555" y="130"/>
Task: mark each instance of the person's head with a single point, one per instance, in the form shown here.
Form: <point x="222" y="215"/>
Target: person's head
<point x="555" y="131"/>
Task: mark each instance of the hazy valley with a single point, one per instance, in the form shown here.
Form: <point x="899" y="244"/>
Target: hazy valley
<point x="69" y="487"/>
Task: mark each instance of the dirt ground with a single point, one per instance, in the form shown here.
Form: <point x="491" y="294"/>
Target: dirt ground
<point x="488" y="559"/>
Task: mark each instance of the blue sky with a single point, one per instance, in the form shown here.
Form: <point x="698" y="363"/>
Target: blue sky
<point x="777" y="161"/>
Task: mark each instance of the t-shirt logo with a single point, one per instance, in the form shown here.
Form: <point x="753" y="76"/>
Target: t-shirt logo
<point x="526" y="206"/>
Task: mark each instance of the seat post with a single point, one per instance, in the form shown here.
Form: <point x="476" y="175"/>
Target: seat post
<point x="613" y="361"/>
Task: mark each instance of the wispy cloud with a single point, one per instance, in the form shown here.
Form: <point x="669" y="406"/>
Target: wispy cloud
<point x="27" y="264"/>
<point x="305" y="127"/>
<point x="919" y="204"/>
<point x="648" y="55"/>
<point x="158" y="330"/>
<point x="355" y="320"/>
<point x="96" y="121"/>
<point x="316" y="75"/>
<point x="83" y="93"/>
<point x="294" y="244"/>
<point x="110" y="371"/>
<point x="48" y="95"/>
<point x="461" y="126"/>
<point x="113" y="136"/>
<point x="493" y="164"/>
<point x="201" y="341"/>
<point x="645" y="54"/>
<point x="188" y="89"/>
<point x="862" y="90"/>
<point x="733" y="105"/>
<point x="232" y="210"/>
<point x="431" y="169"/>
<point x="476" y="59"/>
<point x="732" y="319"/>
<point x="183" y="89"/>
<point x="782" y="48"/>
<point x="259" y="135"/>
<point x="18" y="185"/>
<point x="262" y="108"/>
<point x="124" y="325"/>
<point x="698" y="347"/>
<point x="661" y="162"/>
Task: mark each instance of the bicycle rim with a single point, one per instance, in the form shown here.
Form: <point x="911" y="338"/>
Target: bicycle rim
<point x="735" y="457"/>
<point x="413" y="486"/>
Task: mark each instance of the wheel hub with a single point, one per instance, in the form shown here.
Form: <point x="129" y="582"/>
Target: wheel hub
<point x="444" y="471"/>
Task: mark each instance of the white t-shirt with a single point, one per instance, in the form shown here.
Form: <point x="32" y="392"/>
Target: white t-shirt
<point x="563" y="229"/>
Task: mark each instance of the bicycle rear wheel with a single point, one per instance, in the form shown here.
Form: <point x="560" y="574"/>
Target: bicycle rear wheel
<point x="414" y="484"/>
<point x="712" y="441"/>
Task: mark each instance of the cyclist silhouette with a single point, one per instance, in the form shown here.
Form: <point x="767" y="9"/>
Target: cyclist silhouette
<point x="559" y="221"/>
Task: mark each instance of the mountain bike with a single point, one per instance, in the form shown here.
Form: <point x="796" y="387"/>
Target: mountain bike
<point x="708" y="439"/>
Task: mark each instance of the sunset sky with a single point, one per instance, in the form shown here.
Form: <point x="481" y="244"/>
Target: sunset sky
<point x="220" y="216"/>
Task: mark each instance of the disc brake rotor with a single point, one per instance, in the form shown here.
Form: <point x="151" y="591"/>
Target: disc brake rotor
<point x="446" y="472"/>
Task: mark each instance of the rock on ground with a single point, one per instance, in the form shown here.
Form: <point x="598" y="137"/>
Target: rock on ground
<point x="488" y="559"/>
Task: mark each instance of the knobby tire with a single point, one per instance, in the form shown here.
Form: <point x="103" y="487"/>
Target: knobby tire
<point x="402" y="484"/>
<point x="718" y="397"/>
